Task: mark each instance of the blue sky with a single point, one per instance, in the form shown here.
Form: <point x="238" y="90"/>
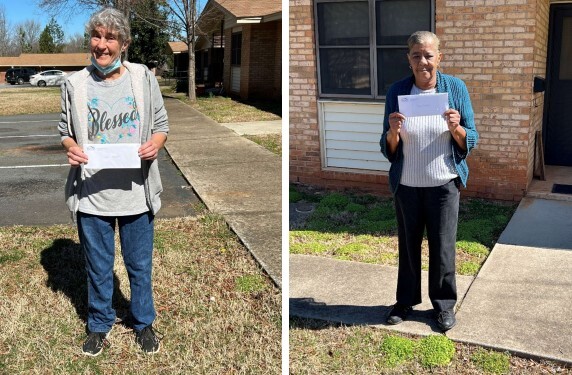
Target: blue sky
<point x="18" y="11"/>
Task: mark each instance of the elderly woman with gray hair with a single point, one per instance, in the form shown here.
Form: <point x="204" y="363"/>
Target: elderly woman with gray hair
<point x="427" y="156"/>
<point x="117" y="104"/>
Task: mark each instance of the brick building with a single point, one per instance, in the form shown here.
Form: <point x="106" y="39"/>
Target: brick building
<point x="251" y="33"/>
<point x="345" y="54"/>
<point x="68" y="62"/>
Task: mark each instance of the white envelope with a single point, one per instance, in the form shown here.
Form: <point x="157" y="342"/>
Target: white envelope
<point x="113" y="156"/>
<point x="423" y="105"/>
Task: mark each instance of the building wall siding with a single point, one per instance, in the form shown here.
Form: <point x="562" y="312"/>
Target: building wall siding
<point x="350" y="135"/>
<point x="495" y="46"/>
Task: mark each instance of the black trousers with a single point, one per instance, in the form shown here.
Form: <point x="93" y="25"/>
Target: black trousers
<point x="437" y="210"/>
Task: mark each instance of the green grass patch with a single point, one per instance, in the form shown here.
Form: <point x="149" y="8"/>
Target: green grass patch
<point x="11" y="256"/>
<point x="491" y="362"/>
<point x="271" y="142"/>
<point x="352" y="248"/>
<point x="251" y="284"/>
<point x="436" y="351"/>
<point x="473" y="248"/>
<point x="347" y="216"/>
<point x="294" y="196"/>
<point x="315" y="248"/>
<point x="468" y="268"/>
<point x="397" y="350"/>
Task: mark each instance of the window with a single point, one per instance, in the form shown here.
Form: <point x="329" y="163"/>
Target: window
<point x="362" y="44"/>
<point x="235" y="48"/>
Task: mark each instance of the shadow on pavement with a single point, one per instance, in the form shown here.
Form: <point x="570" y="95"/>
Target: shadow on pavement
<point x="337" y="315"/>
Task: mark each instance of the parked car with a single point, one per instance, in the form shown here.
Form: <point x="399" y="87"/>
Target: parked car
<point x="48" y="78"/>
<point x="19" y="75"/>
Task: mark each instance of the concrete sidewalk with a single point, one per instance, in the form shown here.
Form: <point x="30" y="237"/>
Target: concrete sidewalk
<point x="233" y="177"/>
<point x="255" y="127"/>
<point x="520" y="301"/>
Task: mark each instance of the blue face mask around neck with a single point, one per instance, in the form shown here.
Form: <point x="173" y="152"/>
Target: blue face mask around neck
<point x="108" y="69"/>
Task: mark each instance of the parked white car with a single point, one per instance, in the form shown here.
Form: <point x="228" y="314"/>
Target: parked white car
<point x="48" y="78"/>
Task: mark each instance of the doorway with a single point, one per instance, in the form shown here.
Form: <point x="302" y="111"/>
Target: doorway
<point x="558" y="111"/>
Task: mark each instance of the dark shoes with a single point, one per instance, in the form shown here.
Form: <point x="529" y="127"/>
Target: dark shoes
<point x="446" y="320"/>
<point x="147" y="340"/>
<point x="398" y="314"/>
<point x="94" y="344"/>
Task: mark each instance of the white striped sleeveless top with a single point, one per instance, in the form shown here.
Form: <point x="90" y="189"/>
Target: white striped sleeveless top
<point x="427" y="152"/>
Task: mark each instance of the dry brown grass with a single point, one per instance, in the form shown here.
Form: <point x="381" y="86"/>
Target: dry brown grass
<point x="29" y="100"/>
<point x="212" y="322"/>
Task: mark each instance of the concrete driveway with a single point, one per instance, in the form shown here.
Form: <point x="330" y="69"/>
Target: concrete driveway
<point x="33" y="170"/>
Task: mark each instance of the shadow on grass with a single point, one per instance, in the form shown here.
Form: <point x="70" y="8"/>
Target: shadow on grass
<point x="271" y="106"/>
<point x="64" y="263"/>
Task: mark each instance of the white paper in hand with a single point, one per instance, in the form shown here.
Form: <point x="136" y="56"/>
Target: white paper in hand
<point x="113" y="156"/>
<point x="423" y="105"/>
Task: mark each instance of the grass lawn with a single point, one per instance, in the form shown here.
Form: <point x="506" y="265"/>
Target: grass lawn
<point x="363" y="228"/>
<point x="218" y="312"/>
<point x="223" y="109"/>
<point x="30" y="100"/>
<point x="318" y="347"/>
<point x="271" y="142"/>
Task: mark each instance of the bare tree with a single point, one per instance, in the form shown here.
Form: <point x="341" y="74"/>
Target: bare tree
<point x="76" y="43"/>
<point x="183" y="15"/>
<point x="28" y="36"/>
<point x="5" y="39"/>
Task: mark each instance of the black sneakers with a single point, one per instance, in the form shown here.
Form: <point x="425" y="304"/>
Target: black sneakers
<point x="94" y="344"/>
<point x="446" y="320"/>
<point x="147" y="340"/>
<point x="398" y="313"/>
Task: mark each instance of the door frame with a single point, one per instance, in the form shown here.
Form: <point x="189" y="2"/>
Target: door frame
<point x="554" y="6"/>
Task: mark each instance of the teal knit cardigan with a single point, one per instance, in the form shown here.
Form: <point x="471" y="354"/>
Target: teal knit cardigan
<point x="458" y="99"/>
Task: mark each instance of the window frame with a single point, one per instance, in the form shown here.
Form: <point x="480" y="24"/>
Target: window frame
<point x="373" y="50"/>
<point x="234" y="48"/>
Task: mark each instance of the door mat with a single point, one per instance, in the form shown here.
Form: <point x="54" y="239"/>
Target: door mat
<point x="562" y="189"/>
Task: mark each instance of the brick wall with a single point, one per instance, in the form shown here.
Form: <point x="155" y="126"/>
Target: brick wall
<point x="261" y="60"/>
<point x="495" y="46"/>
<point x="264" y="71"/>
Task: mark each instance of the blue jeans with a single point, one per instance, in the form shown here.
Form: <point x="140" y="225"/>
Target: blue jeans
<point x="97" y="237"/>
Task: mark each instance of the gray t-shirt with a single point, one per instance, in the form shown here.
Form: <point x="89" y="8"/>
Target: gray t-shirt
<point x="112" y="118"/>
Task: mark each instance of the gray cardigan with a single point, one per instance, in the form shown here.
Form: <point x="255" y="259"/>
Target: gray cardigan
<point x="73" y="123"/>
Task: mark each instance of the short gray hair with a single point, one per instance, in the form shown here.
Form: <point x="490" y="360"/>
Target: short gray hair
<point x="113" y="20"/>
<point x="423" y="37"/>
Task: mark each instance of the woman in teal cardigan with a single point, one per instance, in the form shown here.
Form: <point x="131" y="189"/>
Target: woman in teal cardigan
<point x="428" y="165"/>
